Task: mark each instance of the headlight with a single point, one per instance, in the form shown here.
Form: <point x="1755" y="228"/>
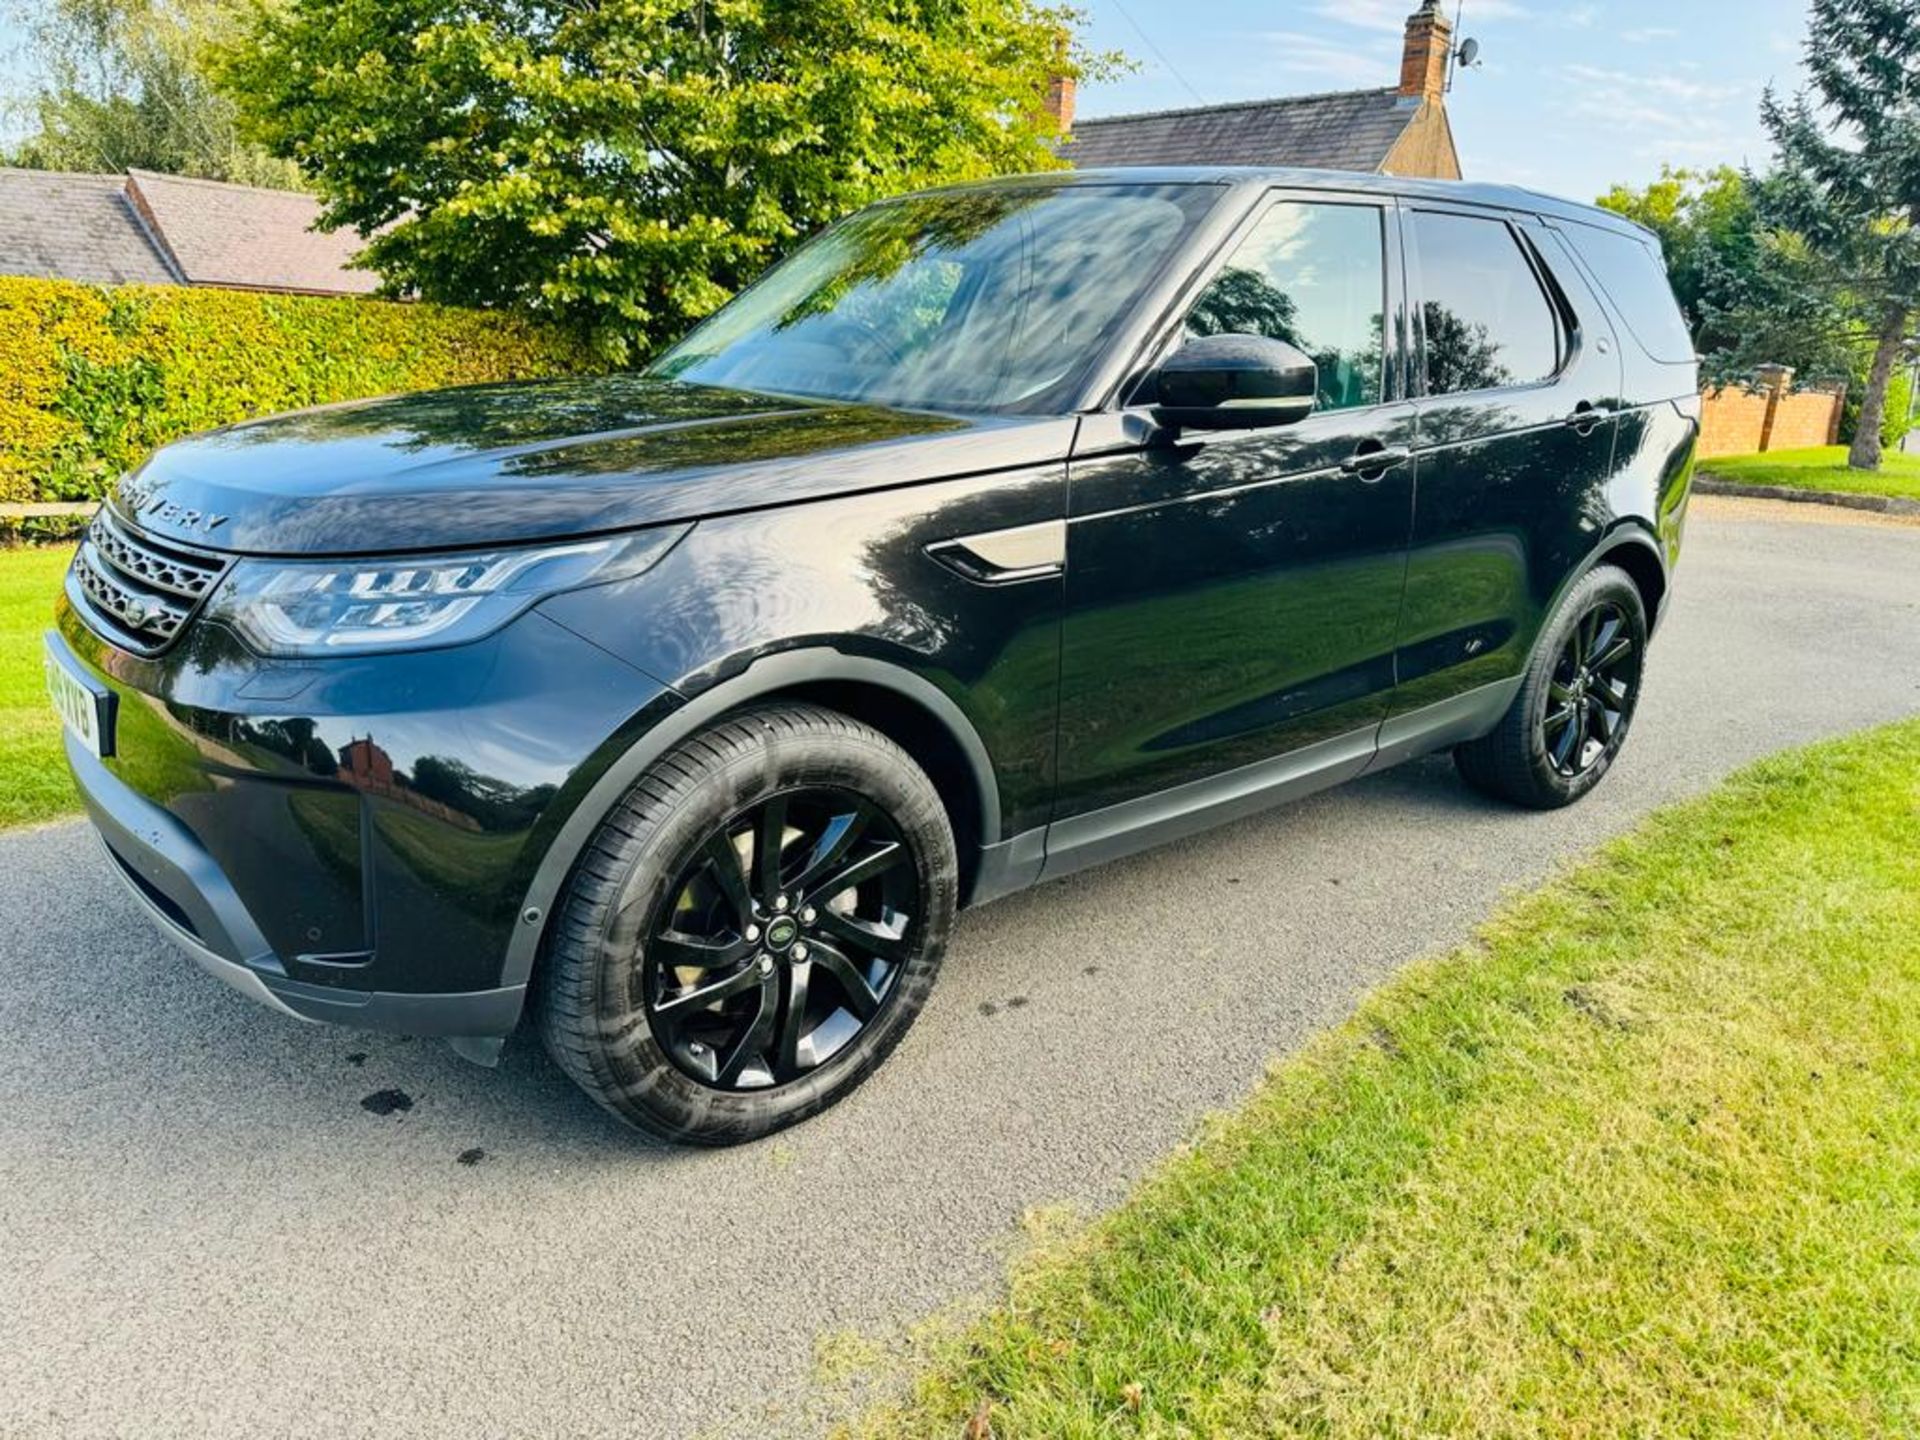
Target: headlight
<point x="336" y="607"/>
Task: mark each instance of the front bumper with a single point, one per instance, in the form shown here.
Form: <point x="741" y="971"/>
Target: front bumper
<point x="193" y="904"/>
<point x="352" y="840"/>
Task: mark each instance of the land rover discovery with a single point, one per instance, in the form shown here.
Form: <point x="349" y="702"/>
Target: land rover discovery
<point x="998" y="531"/>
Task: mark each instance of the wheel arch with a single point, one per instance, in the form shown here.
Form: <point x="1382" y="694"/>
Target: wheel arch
<point x="1638" y="553"/>
<point x="906" y="707"/>
<point x="1627" y="547"/>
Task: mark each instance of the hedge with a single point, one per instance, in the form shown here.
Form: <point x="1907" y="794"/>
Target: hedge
<point x="93" y="378"/>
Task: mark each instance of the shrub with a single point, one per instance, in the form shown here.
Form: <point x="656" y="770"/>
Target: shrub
<point x="1894" y="422"/>
<point x="92" y="378"/>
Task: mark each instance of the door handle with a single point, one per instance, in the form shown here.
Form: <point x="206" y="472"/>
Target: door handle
<point x="1372" y="464"/>
<point x="1586" y="417"/>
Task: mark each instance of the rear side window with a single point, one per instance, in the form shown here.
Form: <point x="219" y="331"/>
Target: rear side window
<point x="1636" y="281"/>
<point x="1488" y="322"/>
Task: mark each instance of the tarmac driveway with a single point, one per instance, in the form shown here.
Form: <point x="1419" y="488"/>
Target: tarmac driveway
<point x="217" y="1222"/>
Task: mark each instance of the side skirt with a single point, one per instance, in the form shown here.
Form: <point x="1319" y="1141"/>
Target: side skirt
<point x="1135" y="825"/>
<point x="1046" y="853"/>
<point x="1440" y="727"/>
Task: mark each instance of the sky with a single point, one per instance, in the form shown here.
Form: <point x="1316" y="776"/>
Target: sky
<point x="1571" y="97"/>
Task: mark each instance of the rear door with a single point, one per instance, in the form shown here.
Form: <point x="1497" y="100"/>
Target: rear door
<point x="1517" y="382"/>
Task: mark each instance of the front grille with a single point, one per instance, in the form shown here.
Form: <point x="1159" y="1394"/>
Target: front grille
<point x="137" y="591"/>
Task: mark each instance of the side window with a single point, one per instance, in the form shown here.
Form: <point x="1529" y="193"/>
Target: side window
<point x="1488" y="323"/>
<point x="1631" y="273"/>
<point x="1313" y="275"/>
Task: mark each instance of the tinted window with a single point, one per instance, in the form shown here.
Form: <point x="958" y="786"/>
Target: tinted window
<point x="1315" y="276"/>
<point x="1635" y="280"/>
<point x="976" y="299"/>
<point x="1488" y="322"/>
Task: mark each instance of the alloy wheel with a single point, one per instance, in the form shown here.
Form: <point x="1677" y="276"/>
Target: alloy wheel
<point x="781" y="939"/>
<point x="1591" y="693"/>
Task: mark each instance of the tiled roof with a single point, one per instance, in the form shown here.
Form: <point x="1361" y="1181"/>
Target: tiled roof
<point x="1346" y="130"/>
<point x="220" y="234"/>
<point x="167" y="230"/>
<point x="75" y="227"/>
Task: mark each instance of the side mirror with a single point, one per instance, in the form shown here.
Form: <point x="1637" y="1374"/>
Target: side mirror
<point x="1235" y="382"/>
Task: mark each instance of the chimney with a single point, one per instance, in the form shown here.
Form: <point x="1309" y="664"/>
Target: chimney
<point x="1060" y="88"/>
<point x="1060" y="102"/>
<point x="1423" y="66"/>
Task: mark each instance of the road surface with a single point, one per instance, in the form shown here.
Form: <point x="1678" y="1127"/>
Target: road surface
<point x="217" y="1222"/>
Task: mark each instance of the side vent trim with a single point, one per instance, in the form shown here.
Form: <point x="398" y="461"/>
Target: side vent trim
<point x="1007" y="557"/>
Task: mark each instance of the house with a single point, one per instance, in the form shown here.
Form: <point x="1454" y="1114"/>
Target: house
<point x="169" y="230"/>
<point x="1395" y="130"/>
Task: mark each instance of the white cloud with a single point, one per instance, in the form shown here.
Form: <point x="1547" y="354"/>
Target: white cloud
<point x="1602" y="92"/>
<point x="1716" y="147"/>
<point x="1391" y="15"/>
<point x="1648" y="35"/>
<point x="1651" y="116"/>
<point x="1331" y="65"/>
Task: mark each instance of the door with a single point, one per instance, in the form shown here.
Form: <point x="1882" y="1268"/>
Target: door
<point x="1232" y="597"/>
<point x="1516" y="394"/>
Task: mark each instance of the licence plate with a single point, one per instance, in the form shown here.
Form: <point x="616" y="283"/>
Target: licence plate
<point x="84" y="707"/>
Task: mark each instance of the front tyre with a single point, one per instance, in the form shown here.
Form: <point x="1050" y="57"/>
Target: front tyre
<point x="752" y="929"/>
<point x="1576" y="702"/>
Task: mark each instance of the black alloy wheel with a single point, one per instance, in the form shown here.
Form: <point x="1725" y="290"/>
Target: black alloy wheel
<point x="753" y="928"/>
<point x="1591" y="693"/>
<point x="1564" y="728"/>
<point x="781" y="940"/>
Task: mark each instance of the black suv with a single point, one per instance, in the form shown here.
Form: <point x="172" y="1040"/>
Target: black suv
<point x="999" y="531"/>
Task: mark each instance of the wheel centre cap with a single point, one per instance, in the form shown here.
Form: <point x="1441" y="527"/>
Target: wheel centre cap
<point x="782" y="931"/>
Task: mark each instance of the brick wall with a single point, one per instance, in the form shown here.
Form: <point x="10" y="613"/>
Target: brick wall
<point x="1805" y="420"/>
<point x="1732" y="422"/>
<point x="1739" y="421"/>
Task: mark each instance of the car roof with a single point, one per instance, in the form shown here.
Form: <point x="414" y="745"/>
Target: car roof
<point x="1505" y="197"/>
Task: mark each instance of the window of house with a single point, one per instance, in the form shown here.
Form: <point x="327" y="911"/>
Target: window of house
<point x="1313" y="275"/>
<point x="1488" y="322"/>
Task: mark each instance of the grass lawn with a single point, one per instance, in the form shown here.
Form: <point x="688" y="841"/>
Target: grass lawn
<point x="1645" y="1160"/>
<point x="1821" y="469"/>
<point x="33" y="775"/>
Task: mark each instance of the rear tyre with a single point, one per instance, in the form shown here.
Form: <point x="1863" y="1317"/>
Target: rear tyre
<point x="753" y="928"/>
<point x="1576" y="703"/>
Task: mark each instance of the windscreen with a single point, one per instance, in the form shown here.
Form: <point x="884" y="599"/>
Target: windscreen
<point x="978" y="299"/>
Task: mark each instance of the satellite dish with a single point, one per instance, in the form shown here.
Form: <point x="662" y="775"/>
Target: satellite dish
<point x="1469" y="53"/>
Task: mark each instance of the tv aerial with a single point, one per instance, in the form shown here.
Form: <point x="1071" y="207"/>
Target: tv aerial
<point x="1466" y="56"/>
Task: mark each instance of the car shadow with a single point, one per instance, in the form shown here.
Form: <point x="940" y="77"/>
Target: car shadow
<point x="148" y="1051"/>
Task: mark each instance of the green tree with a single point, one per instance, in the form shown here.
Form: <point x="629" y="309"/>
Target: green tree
<point x="121" y="84"/>
<point x="631" y="163"/>
<point x="1848" y="178"/>
<point x="1240" y="301"/>
<point x="1706" y="225"/>
<point x="1461" y="355"/>
<point x="1752" y="293"/>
